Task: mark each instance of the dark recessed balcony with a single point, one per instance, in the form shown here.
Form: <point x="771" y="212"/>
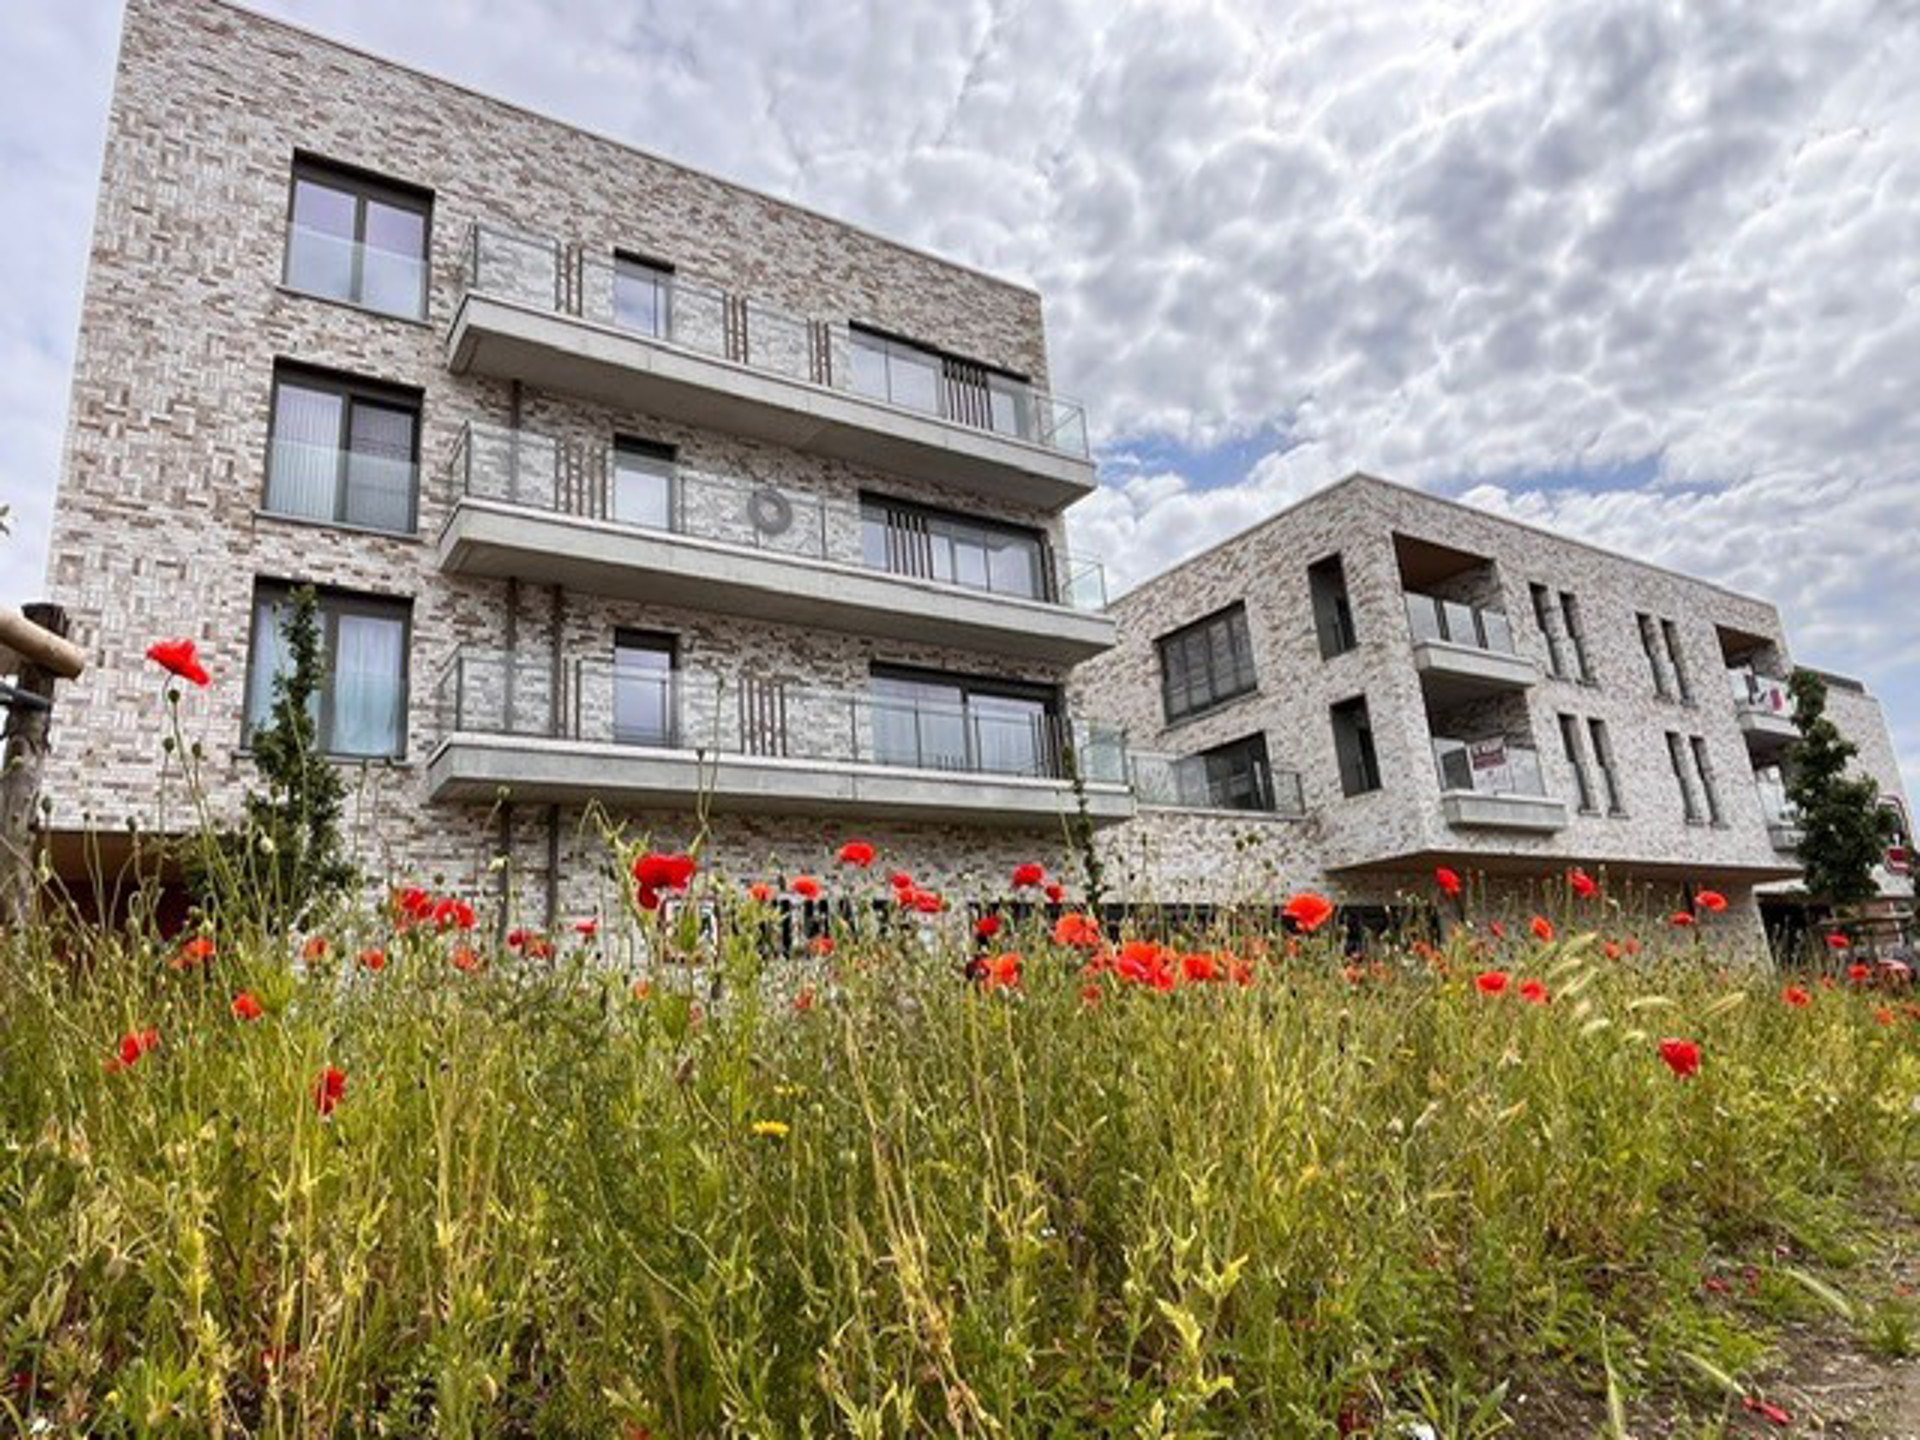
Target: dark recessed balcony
<point x="1464" y="651"/>
<point x="1764" y="707"/>
<point x="564" y="320"/>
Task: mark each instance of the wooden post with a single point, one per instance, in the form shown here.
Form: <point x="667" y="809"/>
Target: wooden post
<point x="25" y="758"/>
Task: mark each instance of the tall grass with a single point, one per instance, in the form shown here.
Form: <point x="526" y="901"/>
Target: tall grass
<point x="864" y="1195"/>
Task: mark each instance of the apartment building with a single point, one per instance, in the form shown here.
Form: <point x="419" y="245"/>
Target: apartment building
<point x="620" y="486"/>
<point x="1378" y="681"/>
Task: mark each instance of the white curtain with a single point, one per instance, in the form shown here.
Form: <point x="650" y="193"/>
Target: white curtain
<point x="367" y="685"/>
<point x="304" y="478"/>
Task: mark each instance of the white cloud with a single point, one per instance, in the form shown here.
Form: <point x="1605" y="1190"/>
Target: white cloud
<point x="1461" y="244"/>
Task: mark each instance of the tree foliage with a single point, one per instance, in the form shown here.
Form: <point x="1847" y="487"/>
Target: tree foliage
<point x="1842" y="827"/>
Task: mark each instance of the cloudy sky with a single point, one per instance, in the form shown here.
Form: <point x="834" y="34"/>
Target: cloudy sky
<point x="1649" y="273"/>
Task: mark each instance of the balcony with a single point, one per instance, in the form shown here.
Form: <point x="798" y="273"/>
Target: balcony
<point x="1764" y="708"/>
<point x="1464" y="652"/>
<point x="1181" y="782"/>
<point x="561" y="319"/>
<point x="1490" y="784"/>
<point x="661" y="738"/>
<point x="527" y="506"/>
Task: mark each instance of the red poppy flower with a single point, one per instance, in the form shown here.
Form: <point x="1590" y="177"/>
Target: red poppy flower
<point x="987" y="926"/>
<point x="246" y="1006"/>
<point x="1859" y="973"/>
<point x="1584" y="885"/>
<point x="1797" y="996"/>
<point x="900" y="880"/>
<point x="1447" y="880"/>
<point x="857" y="852"/>
<point x="927" y="902"/>
<point x="1535" y="992"/>
<point x="1542" y="929"/>
<point x="654" y="872"/>
<point x="1080" y="931"/>
<point x="132" y="1046"/>
<point x="315" y="949"/>
<point x="1710" y="900"/>
<point x="179" y="657"/>
<point x="1309" y="910"/>
<point x="807" y="888"/>
<point x="1884" y="1015"/>
<point x="1491" y="982"/>
<point x="589" y="928"/>
<point x="823" y="945"/>
<point x="1682" y="1056"/>
<point x="330" y="1089"/>
<point x="453" y="914"/>
<point x="1611" y="950"/>
<point x="373" y="959"/>
<point x="1056" y="894"/>
<point x="196" y="951"/>
<point x="1837" y="941"/>
<point x="1200" y="968"/>
<point x="643" y="989"/>
<point x="466" y="959"/>
<point x="762" y="893"/>
<point x="1031" y="874"/>
<point x="1003" y="971"/>
<point x="1681" y="919"/>
<point x="803" y="1002"/>
<point x="1772" y="1412"/>
<point x="1499" y="930"/>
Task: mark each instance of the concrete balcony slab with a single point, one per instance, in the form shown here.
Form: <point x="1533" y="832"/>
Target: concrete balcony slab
<point x="1485" y="810"/>
<point x="479" y="767"/>
<point x="509" y="340"/>
<point x="1462" y="672"/>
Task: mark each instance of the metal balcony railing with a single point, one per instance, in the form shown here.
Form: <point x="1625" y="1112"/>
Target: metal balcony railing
<point x="1451" y="622"/>
<point x="337" y="267"/>
<point x="1753" y="691"/>
<point x="707" y="320"/>
<point x="1182" y="782"/>
<point x="594" y="700"/>
<point x="341" y="486"/>
<point x="1484" y="768"/>
<point x="602" y="482"/>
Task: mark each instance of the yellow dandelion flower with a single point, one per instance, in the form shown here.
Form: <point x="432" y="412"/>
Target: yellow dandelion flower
<point x="776" y="1128"/>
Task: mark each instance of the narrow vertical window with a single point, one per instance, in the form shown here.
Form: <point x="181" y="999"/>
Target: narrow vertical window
<point x="1677" y="756"/>
<point x="1703" y="768"/>
<point x="1353" y="746"/>
<point x="1576" y="635"/>
<point x="1650" y="647"/>
<point x="1332" y="613"/>
<point x="643" y="690"/>
<point x="1544" y="617"/>
<point x="1576" y="761"/>
<point x="641" y="485"/>
<point x="1603" y="758"/>
<point x="642" y="296"/>
<point x="1670" y="641"/>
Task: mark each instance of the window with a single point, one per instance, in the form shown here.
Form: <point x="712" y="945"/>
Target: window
<point x="1703" y="770"/>
<point x="342" y="450"/>
<point x="1206" y="663"/>
<point x="1609" y="773"/>
<point x="1576" y="761"/>
<point x="359" y="239"/>
<point x="1650" y="647"/>
<point x="1544" y="617"/>
<point x="895" y="371"/>
<point x="935" y="721"/>
<point x="1576" y="635"/>
<point x="644" y="709"/>
<point x="906" y="539"/>
<point x="642" y="296"/>
<point x="642" y="488"/>
<point x="361" y="709"/>
<point x="1236" y="775"/>
<point x="1670" y="637"/>
<point x="1677" y="754"/>
<point x="1353" y="746"/>
<point x="1332" y="614"/>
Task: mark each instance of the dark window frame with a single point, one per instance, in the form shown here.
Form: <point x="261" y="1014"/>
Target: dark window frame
<point x="1602" y="745"/>
<point x="1573" y="747"/>
<point x="875" y="507"/>
<point x="1670" y="642"/>
<point x="625" y="261"/>
<point x="1573" y="622"/>
<point x="1051" y="699"/>
<point x="353" y="390"/>
<point x="625" y="443"/>
<point x="332" y="602"/>
<point x="363" y="185"/>
<point x="667" y="642"/>
<point x="1363" y="776"/>
<point x="1542" y="598"/>
<point x="1244" y="679"/>
<point x="1679" y="756"/>
<point x="1704" y="773"/>
<point x="1259" y="771"/>
<point x="1331" y="605"/>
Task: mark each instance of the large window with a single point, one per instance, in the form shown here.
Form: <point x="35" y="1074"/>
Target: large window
<point x="642" y="296"/>
<point x="921" y="378"/>
<point x="1206" y="663"/>
<point x="361" y="709"/>
<point x="342" y="450"/>
<point x="1332" y="611"/>
<point x="905" y="539"/>
<point x="895" y="371"/>
<point x="1353" y="746"/>
<point x="934" y="721"/>
<point x="1237" y="775"/>
<point x="356" y="238"/>
<point x="642" y="484"/>
<point x="643" y="688"/>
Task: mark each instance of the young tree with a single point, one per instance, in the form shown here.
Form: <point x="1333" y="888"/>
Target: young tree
<point x="1842" y="827"/>
<point x="293" y="829"/>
